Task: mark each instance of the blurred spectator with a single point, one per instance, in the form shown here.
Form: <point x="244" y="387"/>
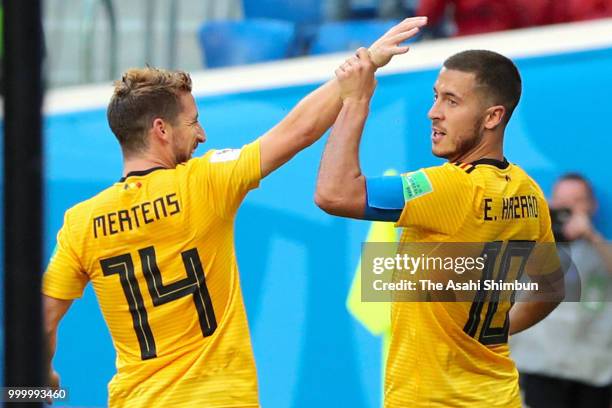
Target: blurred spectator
<point x="566" y="359"/>
<point x="482" y="16"/>
<point x="588" y="9"/>
<point x="540" y="12"/>
<point x="473" y="16"/>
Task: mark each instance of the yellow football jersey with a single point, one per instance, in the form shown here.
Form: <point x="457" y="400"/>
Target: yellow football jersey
<point x="453" y="354"/>
<point x="158" y="247"/>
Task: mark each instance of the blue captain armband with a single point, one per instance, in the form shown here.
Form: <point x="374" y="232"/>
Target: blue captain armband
<point x="384" y="198"/>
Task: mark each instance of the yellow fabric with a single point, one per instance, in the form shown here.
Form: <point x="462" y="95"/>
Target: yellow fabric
<point x="432" y="361"/>
<point x="164" y="243"/>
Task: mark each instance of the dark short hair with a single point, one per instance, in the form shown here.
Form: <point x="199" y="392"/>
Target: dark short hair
<point x="496" y="73"/>
<point x="578" y="177"/>
<point x="142" y="95"/>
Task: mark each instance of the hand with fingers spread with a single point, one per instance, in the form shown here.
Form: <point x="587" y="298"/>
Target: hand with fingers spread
<point x="356" y="77"/>
<point x="388" y="45"/>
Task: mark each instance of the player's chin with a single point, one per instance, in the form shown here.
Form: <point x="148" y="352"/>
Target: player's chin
<point x="195" y="147"/>
<point x="440" y="151"/>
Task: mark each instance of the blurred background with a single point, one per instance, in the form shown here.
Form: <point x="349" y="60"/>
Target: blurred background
<point x="95" y="40"/>
<point x="252" y="61"/>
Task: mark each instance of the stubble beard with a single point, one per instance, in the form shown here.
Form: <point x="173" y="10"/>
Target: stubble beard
<point x="179" y="156"/>
<point x="465" y="145"/>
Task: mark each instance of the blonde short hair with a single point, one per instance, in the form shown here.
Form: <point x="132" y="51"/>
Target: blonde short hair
<point x="141" y="96"/>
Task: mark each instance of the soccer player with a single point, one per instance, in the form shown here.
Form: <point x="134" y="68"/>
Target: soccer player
<point x="158" y="244"/>
<point x="446" y="354"/>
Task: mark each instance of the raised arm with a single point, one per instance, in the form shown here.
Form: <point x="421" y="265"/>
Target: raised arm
<point x="341" y="187"/>
<point x="314" y="114"/>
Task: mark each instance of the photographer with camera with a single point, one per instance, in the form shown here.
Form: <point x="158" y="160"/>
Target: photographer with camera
<point x="566" y="360"/>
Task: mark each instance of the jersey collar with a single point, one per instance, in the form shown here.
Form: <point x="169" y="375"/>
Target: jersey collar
<point x="500" y="164"/>
<point x="140" y="173"/>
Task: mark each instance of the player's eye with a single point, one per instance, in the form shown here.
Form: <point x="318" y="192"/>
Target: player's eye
<point x="452" y="102"/>
<point x="435" y="97"/>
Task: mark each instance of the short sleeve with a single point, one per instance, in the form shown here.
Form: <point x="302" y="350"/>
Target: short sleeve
<point x="229" y="174"/>
<point x="64" y="277"/>
<point x="437" y="199"/>
<point x="546" y="233"/>
<point x="545" y="256"/>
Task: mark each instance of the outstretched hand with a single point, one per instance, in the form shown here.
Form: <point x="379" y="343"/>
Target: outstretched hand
<point x="356" y="77"/>
<point x="388" y="45"/>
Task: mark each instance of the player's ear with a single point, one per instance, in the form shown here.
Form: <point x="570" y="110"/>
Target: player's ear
<point x="494" y="116"/>
<point x="160" y="130"/>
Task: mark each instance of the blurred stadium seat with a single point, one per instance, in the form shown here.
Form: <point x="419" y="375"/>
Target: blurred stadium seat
<point x="363" y="9"/>
<point x="227" y="43"/>
<point x="348" y="35"/>
<point x="297" y="11"/>
<point x="306" y="14"/>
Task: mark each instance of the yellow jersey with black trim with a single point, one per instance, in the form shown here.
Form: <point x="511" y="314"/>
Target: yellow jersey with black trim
<point x="158" y="248"/>
<point x="441" y="354"/>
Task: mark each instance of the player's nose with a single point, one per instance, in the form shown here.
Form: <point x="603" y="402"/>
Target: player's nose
<point x="434" y="112"/>
<point x="201" y="136"/>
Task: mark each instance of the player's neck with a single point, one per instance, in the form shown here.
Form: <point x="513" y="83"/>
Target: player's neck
<point x="144" y="162"/>
<point x="481" y="151"/>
